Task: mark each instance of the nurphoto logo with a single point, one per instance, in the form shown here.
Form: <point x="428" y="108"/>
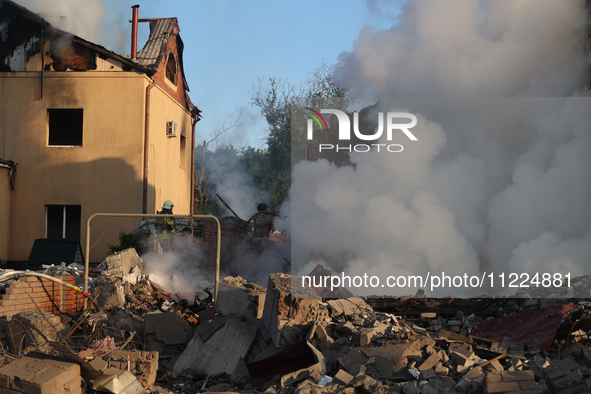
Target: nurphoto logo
<point x="345" y="130"/>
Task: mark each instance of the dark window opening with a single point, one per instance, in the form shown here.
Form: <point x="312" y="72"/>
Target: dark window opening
<point x="63" y="221"/>
<point x="65" y="126"/>
<point x="171" y="68"/>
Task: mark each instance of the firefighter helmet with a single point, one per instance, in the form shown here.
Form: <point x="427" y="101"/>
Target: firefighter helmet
<point x="168" y="204"/>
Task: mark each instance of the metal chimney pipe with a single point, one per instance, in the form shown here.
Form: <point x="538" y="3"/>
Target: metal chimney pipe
<point x="134" y="31"/>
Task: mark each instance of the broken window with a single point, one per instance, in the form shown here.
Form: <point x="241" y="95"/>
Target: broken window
<point x="65" y="126"/>
<point x="62" y="221"/>
<point x="171" y="69"/>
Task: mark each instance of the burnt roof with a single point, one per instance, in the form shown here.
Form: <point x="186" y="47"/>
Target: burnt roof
<point x="20" y="25"/>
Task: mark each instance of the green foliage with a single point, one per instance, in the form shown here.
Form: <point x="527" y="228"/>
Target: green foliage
<point x="269" y="168"/>
<point x="275" y="103"/>
<point x="138" y="241"/>
<point x="275" y="106"/>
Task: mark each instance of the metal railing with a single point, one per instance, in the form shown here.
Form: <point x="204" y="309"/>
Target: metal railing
<point x="142" y="215"/>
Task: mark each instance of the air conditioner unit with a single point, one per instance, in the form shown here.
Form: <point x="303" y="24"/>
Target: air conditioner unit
<point x="171" y="129"/>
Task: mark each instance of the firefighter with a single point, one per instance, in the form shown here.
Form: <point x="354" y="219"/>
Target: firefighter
<point x="263" y="225"/>
<point x="165" y="226"/>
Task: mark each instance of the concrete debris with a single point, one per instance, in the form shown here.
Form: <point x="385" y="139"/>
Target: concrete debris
<point x="285" y="317"/>
<point x="237" y="296"/>
<point x="216" y="347"/>
<point x="317" y="275"/>
<point x="40" y="373"/>
<point x="120" y="324"/>
<point x="120" y="383"/>
<point x="566" y="376"/>
<point x="354" y="307"/>
<point x="166" y="333"/>
<point x="119" y="263"/>
<point x="32" y="330"/>
<point x="286" y="339"/>
<point x="109" y="293"/>
<point x="143" y="365"/>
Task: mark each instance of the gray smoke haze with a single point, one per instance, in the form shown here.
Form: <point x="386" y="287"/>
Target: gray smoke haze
<point x="492" y="184"/>
<point x="472" y="47"/>
<point x="229" y="177"/>
<point x="81" y="18"/>
<point x="100" y="21"/>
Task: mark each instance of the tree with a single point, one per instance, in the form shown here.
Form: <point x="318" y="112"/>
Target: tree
<point x="201" y="199"/>
<point x="276" y="102"/>
<point x="275" y="105"/>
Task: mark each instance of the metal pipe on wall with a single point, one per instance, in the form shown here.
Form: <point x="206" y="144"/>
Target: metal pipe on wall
<point x="134" y="21"/>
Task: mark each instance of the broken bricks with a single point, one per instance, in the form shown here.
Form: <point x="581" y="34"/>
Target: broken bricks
<point x="356" y="349"/>
<point x="143" y="365"/>
<point x="286" y="318"/>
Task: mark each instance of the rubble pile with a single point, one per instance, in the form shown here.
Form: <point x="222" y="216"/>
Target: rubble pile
<point x="287" y="339"/>
<point x="422" y="346"/>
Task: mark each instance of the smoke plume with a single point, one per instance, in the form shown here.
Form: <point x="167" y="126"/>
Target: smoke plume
<point x="177" y="271"/>
<point x="492" y="184"/>
<point x="472" y="47"/>
<point x="76" y="17"/>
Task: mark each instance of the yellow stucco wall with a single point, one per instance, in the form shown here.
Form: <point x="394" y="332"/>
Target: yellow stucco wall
<point x="106" y="173"/>
<point x="172" y="182"/>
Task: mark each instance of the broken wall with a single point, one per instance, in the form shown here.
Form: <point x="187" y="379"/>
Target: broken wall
<point x="37" y="294"/>
<point x="209" y="245"/>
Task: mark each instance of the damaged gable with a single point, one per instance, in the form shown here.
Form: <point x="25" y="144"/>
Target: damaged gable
<point x="162" y="56"/>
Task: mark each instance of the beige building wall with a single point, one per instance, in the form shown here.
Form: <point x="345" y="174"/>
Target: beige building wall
<point x="170" y="161"/>
<point x="4" y="212"/>
<point x="106" y="173"/>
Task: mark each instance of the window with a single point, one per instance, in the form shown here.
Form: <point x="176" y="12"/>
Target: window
<point x="62" y="221"/>
<point x="65" y="126"/>
<point x="171" y="69"/>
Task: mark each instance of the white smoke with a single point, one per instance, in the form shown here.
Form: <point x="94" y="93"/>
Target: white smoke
<point x="233" y="181"/>
<point x="492" y="184"/>
<point x="177" y="271"/>
<point x="472" y="47"/>
<point x="81" y="18"/>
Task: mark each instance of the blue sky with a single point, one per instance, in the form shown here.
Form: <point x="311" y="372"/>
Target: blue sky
<point x="229" y="45"/>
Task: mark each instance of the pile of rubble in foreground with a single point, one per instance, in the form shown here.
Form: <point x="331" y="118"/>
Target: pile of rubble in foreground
<point x="263" y="340"/>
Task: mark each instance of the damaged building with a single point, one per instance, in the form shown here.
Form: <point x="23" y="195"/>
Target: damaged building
<point x="86" y="130"/>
